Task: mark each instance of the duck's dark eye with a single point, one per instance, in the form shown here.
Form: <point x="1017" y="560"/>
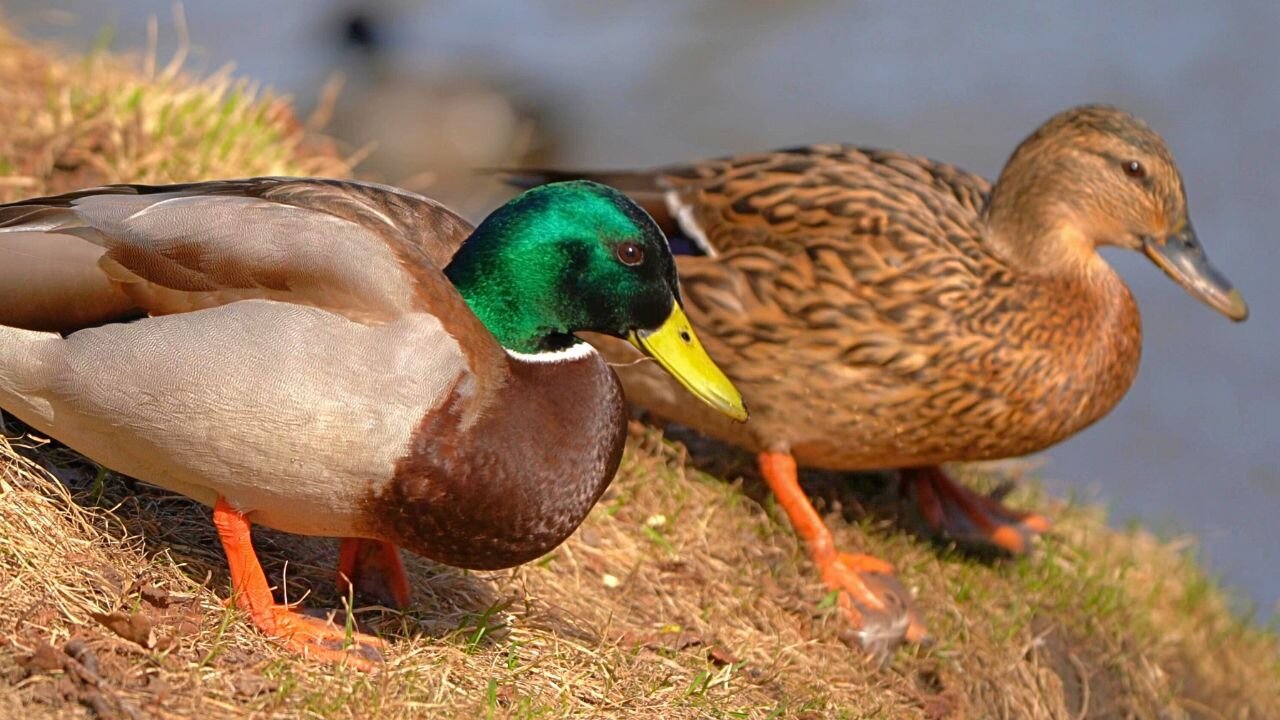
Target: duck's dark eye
<point x="1134" y="169"/>
<point x="630" y="254"/>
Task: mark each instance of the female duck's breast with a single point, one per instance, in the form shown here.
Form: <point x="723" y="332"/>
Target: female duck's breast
<point x="517" y="481"/>
<point x="1057" y="362"/>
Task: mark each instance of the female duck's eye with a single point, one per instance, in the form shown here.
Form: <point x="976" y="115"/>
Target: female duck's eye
<point x="630" y="254"/>
<point x="1134" y="169"/>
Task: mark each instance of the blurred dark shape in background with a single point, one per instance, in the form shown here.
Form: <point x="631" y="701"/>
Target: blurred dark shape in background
<point x="425" y="130"/>
<point x="360" y="30"/>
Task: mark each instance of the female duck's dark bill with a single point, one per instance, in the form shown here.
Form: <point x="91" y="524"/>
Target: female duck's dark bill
<point x="1182" y="258"/>
<point x="676" y="348"/>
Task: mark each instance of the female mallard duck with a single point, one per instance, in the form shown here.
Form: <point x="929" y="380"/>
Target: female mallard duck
<point x="317" y="360"/>
<point x="880" y="310"/>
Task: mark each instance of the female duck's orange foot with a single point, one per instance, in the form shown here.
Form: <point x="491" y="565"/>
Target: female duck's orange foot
<point x="375" y="570"/>
<point x="879" y="610"/>
<point x="320" y="639"/>
<point x="972" y="520"/>
<point x="877" y="607"/>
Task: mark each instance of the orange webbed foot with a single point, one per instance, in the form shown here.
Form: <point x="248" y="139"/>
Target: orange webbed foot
<point x="876" y="606"/>
<point x="954" y="512"/>
<point x="375" y="570"/>
<point x="321" y="639"/>
<point x="879" y="610"/>
<point x="308" y="636"/>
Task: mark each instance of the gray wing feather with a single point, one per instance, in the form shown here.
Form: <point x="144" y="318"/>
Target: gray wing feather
<point x="353" y="248"/>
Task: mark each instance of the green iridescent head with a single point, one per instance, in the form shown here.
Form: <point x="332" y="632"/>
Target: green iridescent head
<point x="581" y="257"/>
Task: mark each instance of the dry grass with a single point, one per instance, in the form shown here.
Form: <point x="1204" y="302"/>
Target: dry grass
<point x="680" y="597"/>
<point x="93" y="120"/>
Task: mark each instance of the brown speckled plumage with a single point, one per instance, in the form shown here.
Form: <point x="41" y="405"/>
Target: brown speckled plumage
<point x="881" y="310"/>
<point x="860" y="340"/>
<point x="855" y="302"/>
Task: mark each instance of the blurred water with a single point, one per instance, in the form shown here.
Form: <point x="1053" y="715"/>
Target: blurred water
<point x="1194" y="444"/>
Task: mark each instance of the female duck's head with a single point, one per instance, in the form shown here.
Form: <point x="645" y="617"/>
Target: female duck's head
<point x="1095" y="175"/>
<point x="580" y="257"/>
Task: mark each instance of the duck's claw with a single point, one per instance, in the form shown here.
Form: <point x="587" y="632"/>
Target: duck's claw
<point x="973" y="521"/>
<point x="375" y="570"/>
<point x="321" y="639"/>
<point x="877" y="608"/>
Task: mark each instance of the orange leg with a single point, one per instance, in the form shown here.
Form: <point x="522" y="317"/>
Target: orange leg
<point x="956" y="512"/>
<point x="308" y="636"/>
<point x="871" y="598"/>
<point x="375" y="570"/>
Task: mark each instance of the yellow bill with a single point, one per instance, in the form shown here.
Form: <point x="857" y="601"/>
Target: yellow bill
<point x="678" y="351"/>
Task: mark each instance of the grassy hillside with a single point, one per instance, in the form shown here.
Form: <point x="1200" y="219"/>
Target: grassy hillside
<point x="683" y="595"/>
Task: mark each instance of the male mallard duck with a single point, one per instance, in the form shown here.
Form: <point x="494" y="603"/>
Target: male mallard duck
<point x="880" y="310"/>
<point x="311" y="364"/>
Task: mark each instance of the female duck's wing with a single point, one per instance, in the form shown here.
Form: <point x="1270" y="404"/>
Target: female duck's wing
<point x="785" y="198"/>
<point x="840" y="259"/>
<point x="368" y="252"/>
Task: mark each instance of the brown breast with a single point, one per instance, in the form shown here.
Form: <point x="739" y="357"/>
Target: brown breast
<point x="515" y="483"/>
<point x="1021" y="370"/>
